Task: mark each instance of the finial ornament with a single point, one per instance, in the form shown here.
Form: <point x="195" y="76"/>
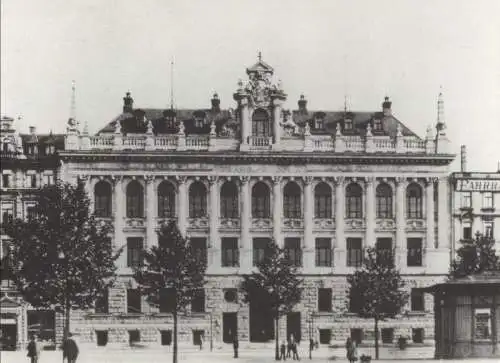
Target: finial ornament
<point x="307" y="130"/>
<point x="260" y="56"/>
<point x="440" y="110"/>
<point x="212" y="128"/>
<point x="368" y="130"/>
<point x="150" y="126"/>
<point x="399" y="130"/>
<point x="181" y="128"/>
<point x="118" y="127"/>
<point x="338" y="132"/>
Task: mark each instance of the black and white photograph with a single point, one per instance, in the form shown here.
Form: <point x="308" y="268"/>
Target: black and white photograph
<point x="249" y="181"/>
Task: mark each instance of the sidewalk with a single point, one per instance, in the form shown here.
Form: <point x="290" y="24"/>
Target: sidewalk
<point x="163" y="356"/>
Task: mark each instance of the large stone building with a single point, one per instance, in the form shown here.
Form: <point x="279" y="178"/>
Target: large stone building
<point x="475" y="203"/>
<point x="323" y="184"/>
<point x="28" y="161"/>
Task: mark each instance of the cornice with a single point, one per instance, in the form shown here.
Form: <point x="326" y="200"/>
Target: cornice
<point x="282" y="158"/>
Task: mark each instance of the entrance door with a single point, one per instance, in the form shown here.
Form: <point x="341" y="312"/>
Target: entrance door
<point x="261" y="325"/>
<point x="293" y="326"/>
<point x="8" y="337"/>
<point x="229" y="326"/>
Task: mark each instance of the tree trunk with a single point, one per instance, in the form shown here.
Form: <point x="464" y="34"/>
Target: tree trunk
<point x="67" y="312"/>
<point x="376" y="338"/>
<point x="276" y="336"/>
<point x="174" y="359"/>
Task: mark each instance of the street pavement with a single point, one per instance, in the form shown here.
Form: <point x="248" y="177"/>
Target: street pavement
<point x="157" y="356"/>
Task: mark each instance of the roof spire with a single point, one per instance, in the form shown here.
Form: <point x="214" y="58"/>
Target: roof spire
<point x="440" y="110"/>
<point x="260" y="56"/>
<point x="72" y="111"/>
<point x="172" y="84"/>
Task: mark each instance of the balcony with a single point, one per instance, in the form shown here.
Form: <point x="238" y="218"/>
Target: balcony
<point x="198" y="223"/>
<point x="260" y="142"/>
<point x="293" y="223"/>
<point x="135" y="223"/>
<point x="324" y="224"/>
<point x="262" y="223"/>
<point x="229" y="223"/>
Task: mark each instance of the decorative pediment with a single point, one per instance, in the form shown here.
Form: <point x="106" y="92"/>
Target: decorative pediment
<point x="7" y="302"/>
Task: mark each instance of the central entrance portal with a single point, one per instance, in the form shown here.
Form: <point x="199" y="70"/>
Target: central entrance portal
<point x="261" y="324"/>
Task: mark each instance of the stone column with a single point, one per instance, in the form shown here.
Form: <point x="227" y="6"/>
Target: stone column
<point x="443" y="216"/>
<point x="246" y="222"/>
<point x="277" y="210"/>
<point x="370" y="211"/>
<point x="308" y="244"/>
<point x="429" y="213"/>
<point x="119" y="219"/>
<point x="183" y="204"/>
<point x="276" y="121"/>
<point x="214" y="243"/>
<point x="151" y="212"/>
<point x="245" y="121"/>
<point x="340" y="253"/>
<point x="400" y="221"/>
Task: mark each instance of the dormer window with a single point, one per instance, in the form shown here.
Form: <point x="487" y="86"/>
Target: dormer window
<point x="319" y="123"/>
<point x="377" y="125"/>
<point x="32" y="149"/>
<point x="347" y="124"/>
<point x="199" y="122"/>
<point x="50" y="149"/>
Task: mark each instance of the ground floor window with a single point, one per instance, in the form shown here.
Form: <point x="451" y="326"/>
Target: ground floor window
<point x="198" y="336"/>
<point x="325" y="336"/>
<point x="42" y="323"/>
<point x="417" y="335"/>
<point x="482" y="324"/>
<point x="166" y="337"/>
<point x="357" y="335"/>
<point x="101" y="337"/>
<point x="134" y="336"/>
<point x="387" y="335"/>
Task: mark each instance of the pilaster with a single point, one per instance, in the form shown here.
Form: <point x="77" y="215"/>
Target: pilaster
<point x="370" y="211"/>
<point x="183" y="202"/>
<point x="400" y="221"/>
<point x="246" y="217"/>
<point x="119" y="218"/>
<point x="214" y="243"/>
<point x="443" y="214"/>
<point x="339" y="246"/>
<point x="308" y="224"/>
<point x="277" y="210"/>
<point x="429" y="210"/>
<point x="151" y="209"/>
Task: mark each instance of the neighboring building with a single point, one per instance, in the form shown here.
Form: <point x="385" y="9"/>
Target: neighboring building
<point x="323" y="184"/>
<point x="28" y="161"/>
<point x="475" y="204"/>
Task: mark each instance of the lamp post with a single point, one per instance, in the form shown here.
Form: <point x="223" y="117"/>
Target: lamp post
<point x="62" y="258"/>
<point x="211" y="334"/>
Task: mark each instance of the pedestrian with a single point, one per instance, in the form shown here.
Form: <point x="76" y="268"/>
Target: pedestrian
<point x="351" y="350"/>
<point x="311" y="347"/>
<point x="201" y="342"/>
<point x="70" y="349"/>
<point x="235" y="346"/>
<point x="34" y="349"/>
<point x="294" y="351"/>
<point x="289" y="348"/>
<point x="283" y="350"/>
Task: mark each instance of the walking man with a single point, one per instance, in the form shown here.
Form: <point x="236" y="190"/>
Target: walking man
<point x="294" y="351"/>
<point x="283" y="351"/>
<point x="70" y="349"/>
<point x="235" y="345"/>
<point x="34" y="349"/>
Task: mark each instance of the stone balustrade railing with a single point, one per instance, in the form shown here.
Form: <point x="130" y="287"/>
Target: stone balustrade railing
<point x="306" y="143"/>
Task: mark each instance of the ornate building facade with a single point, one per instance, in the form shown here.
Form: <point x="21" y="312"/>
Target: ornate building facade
<point x="322" y="184"/>
<point x="28" y="161"/>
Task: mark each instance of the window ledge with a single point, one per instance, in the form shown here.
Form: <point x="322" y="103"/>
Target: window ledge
<point x="465" y="209"/>
<point x="488" y="209"/>
<point x="417" y="313"/>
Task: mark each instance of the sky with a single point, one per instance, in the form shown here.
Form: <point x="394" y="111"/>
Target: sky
<point x="330" y="51"/>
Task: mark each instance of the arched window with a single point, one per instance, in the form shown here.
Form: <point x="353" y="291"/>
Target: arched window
<point x="197" y="200"/>
<point x="135" y="200"/>
<point x="322" y="201"/>
<point x="260" y="123"/>
<point x="166" y="200"/>
<point x="384" y="201"/>
<point x="102" y="199"/>
<point x="229" y="200"/>
<point x="291" y="201"/>
<point x="354" y="201"/>
<point x="414" y="201"/>
<point x="260" y="201"/>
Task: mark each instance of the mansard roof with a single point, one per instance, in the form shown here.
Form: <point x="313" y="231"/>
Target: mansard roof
<point x="43" y="139"/>
<point x="360" y="120"/>
<point x="136" y="121"/>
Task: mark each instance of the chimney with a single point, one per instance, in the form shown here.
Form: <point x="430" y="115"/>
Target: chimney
<point x="128" y="103"/>
<point x="463" y="159"/>
<point x="215" y="102"/>
<point x="32" y="130"/>
<point x="302" y="104"/>
<point x="386" y="107"/>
